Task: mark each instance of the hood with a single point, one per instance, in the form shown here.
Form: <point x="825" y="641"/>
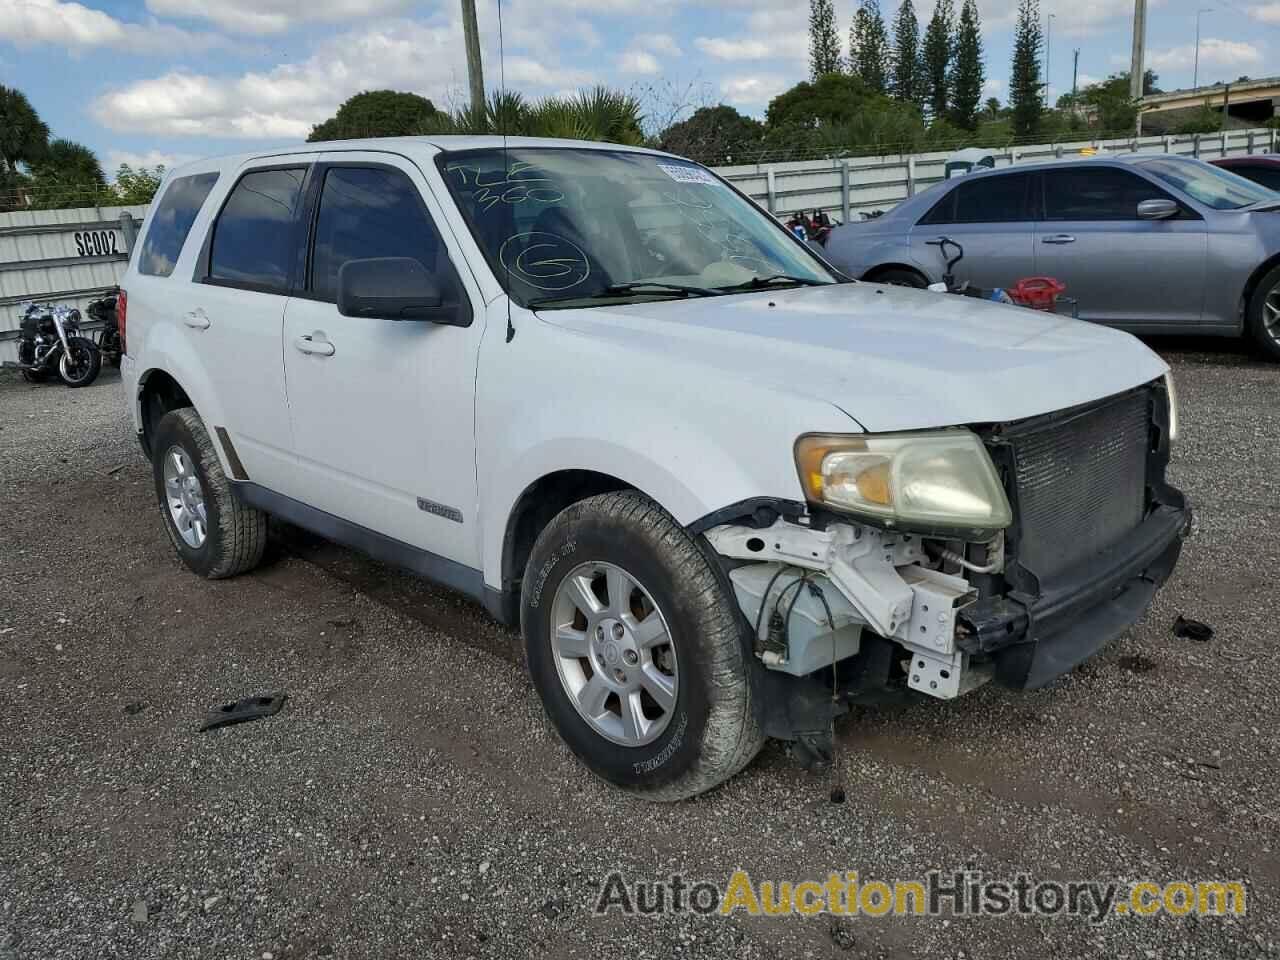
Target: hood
<point x="891" y="358"/>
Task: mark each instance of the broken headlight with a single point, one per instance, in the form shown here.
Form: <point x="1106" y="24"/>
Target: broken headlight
<point x="935" y="481"/>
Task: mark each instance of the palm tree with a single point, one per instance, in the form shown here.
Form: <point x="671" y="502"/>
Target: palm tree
<point x="595" y="114"/>
<point x="67" y="175"/>
<point x="24" y="137"/>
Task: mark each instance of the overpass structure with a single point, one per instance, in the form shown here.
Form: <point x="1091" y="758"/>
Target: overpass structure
<point x="1249" y="100"/>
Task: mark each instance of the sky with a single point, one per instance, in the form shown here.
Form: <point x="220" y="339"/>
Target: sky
<point x="164" y="81"/>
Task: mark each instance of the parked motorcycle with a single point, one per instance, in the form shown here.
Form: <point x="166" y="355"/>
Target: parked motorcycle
<point x="108" y="339"/>
<point x="51" y="343"/>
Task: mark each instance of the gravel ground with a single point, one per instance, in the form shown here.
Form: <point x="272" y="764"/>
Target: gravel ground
<point x="411" y="800"/>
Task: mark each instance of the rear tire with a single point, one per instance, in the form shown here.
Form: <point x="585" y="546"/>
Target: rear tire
<point x="898" y="277"/>
<point x="709" y="728"/>
<point x="215" y="534"/>
<point x="1263" y="316"/>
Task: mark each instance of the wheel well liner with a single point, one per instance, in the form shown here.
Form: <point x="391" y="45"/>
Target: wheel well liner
<point x="158" y="393"/>
<point x="535" y="508"/>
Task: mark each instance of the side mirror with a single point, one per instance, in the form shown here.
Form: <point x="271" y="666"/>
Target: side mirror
<point x="1157" y="209"/>
<point x="397" y="288"/>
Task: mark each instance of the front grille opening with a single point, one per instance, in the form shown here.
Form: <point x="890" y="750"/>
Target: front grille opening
<point x="1079" y="482"/>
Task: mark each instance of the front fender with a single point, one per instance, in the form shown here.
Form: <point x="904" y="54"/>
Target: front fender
<point x="691" y="437"/>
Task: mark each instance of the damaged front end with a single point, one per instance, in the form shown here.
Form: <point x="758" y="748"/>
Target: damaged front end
<point x="849" y="608"/>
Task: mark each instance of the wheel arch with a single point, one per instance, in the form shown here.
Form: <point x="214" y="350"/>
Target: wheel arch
<point x="159" y="392"/>
<point x="882" y="268"/>
<point x="1251" y="286"/>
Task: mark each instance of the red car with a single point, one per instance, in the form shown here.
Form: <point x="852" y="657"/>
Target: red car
<point x="1263" y="168"/>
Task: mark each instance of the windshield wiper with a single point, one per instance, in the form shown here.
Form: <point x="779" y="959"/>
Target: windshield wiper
<point x="759" y="283"/>
<point x="635" y="286"/>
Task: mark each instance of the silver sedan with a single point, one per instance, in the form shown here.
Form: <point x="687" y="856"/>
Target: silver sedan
<point x="1150" y="243"/>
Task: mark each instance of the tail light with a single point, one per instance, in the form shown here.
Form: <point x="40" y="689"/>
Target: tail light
<point x="122" y="307"/>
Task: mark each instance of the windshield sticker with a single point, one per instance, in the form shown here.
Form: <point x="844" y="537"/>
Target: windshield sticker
<point x="683" y="174"/>
<point x="544" y="260"/>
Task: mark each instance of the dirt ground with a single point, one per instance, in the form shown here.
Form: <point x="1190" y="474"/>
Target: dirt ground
<point x="412" y="801"/>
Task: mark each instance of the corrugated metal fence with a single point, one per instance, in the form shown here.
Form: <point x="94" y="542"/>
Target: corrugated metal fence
<point x="63" y="256"/>
<point x="71" y="256"/>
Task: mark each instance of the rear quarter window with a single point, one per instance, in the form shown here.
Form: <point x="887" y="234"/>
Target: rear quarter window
<point x="171" y="222"/>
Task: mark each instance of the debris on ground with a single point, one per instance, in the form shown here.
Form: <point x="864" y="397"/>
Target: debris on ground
<point x="242" y="711"/>
<point x="1192" y="629"/>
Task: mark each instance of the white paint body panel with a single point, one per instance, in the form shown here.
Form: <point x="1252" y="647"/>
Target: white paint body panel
<point x="697" y="403"/>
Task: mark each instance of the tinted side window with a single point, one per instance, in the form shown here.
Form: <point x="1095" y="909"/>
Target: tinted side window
<point x="253" y="239"/>
<point x="1000" y="199"/>
<point x="171" y="222"/>
<point x="368" y="212"/>
<point x="1096" y="193"/>
<point x="1268" y="177"/>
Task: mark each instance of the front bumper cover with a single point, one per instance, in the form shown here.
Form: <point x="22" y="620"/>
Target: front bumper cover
<point x="1033" y="640"/>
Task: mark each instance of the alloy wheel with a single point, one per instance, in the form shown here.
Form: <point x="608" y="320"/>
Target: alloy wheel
<point x="614" y="654"/>
<point x="185" y="497"/>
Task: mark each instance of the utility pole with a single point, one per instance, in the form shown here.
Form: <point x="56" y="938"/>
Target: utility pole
<point x="475" y="73"/>
<point x="1048" y="54"/>
<point x="1075" y="75"/>
<point x="1195" y="77"/>
<point x="1135" y="62"/>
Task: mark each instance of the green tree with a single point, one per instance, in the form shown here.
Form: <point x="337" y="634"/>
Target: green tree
<point x="907" y="83"/>
<point x="1024" y="83"/>
<point x="24" y="137"/>
<point x="824" y="40"/>
<point x="967" y="73"/>
<point x="375" y="113"/>
<point x="991" y="109"/>
<point x="137" y="186"/>
<point x="939" y="48"/>
<point x="595" y="114"/>
<point x="869" y="47"/>
<point x="718" y="134"/>
<point x="68" y="174"/>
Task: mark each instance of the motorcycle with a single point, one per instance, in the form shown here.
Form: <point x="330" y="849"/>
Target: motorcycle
<point x="51" y="343"/>
<point x="108" y="339"/>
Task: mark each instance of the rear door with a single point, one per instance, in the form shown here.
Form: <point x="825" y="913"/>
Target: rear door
<point x="991" y="218"/>
<point x="234" y="316"/>
<point x="383" y="410"/>
<point x="1121" y="270"/>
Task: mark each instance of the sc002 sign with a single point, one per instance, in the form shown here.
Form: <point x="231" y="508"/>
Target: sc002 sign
<point x="97" y="243"/>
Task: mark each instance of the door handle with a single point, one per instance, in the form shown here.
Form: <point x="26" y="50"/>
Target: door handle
<point x="197" y="319"/>
<point x="1059" y="238"/>
<point x="320" y="348"/>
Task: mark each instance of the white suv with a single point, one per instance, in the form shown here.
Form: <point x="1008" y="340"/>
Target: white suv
<point x="724" y="491"/>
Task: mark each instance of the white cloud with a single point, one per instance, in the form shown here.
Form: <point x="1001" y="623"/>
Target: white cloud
<point x="639" y="61"/>
<point x="152" y="158"/>
<point x="75" y="26"/>
<point x="660" y="43"/>
<point x="1071" y="18"/>
<point x="1266" y="13"/>
<point x="283" y="103"/>
<point x="993" y="87"/>
<point x="752" y="90"/>
<point x="272" y="16"/>
<point x="1214" y="52"/>
<point x="742" y="48"/>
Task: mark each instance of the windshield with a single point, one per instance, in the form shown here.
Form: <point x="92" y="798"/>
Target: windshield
<point x="561" y="226"/>
<point x="1212" y="186"/>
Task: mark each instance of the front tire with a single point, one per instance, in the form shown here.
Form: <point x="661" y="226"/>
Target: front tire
<point x="215" y="534"/>
<point x="1263" y="318"/>
<point x="636" y="647"/>
<point x="82" y="366"/>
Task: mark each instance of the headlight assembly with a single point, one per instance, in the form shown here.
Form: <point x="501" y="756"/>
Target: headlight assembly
<point x="935" y="481"/>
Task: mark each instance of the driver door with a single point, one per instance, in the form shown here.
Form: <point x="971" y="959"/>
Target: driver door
<point x="382" y="410"/>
